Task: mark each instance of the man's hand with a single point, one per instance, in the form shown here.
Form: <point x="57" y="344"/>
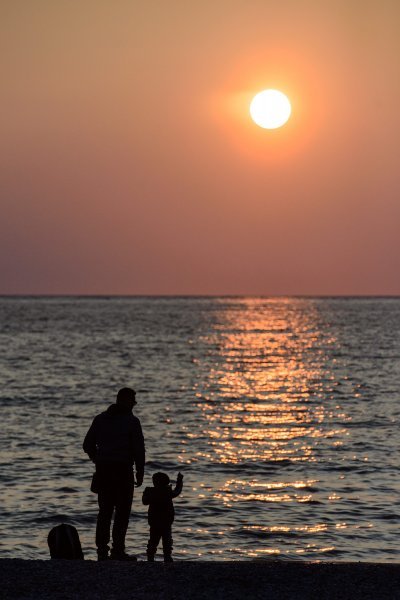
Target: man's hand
<point x="139" y="480"/>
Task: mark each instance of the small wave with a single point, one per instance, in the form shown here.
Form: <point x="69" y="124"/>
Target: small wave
<point x="163" y="465"/>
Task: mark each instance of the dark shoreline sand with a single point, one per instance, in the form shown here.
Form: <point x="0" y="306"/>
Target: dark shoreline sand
<point x="198" y="580"/>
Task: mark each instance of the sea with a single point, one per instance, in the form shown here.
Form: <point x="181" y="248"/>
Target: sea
<point x="282" y="414"/>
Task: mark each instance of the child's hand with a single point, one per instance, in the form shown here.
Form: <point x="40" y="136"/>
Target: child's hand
<point x="180" y="476"/>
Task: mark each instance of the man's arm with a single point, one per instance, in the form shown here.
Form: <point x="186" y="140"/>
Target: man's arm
<point x="179" y="486"/>
<point x="139" y="453"/>
<point x="89" y="443"/>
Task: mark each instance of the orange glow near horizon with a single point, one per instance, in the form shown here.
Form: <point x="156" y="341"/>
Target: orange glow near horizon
<point x="135" y="142"/>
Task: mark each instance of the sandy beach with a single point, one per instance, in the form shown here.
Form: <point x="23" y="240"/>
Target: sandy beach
<point x="27" y="579"/>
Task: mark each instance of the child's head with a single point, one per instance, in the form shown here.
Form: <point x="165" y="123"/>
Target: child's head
<point x="160" y="480"/>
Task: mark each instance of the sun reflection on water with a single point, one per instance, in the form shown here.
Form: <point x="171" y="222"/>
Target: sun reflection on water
<point x="267" y="396"/>
<point x="264" y="397"/>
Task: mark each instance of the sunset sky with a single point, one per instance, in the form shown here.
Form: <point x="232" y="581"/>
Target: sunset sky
<point x="130" y="165"/>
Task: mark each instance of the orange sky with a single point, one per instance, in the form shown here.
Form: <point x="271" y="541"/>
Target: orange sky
<point x="129" y="163"/>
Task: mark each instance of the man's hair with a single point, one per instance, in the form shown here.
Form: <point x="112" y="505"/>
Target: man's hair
<point x="126" y="394"/>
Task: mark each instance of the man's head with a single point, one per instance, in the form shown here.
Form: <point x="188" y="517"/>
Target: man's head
<point x="160" y="479"/>
<point x="126" y="398"/>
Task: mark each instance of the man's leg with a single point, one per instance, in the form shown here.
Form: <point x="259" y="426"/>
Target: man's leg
<point x="121" y="519"/>
<point x="106" y="507"/>
<point x="155" y="536"/>
<point x="167" y="543"/>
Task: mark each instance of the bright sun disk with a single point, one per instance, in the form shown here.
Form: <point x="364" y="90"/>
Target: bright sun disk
<point x="270" y="109"/>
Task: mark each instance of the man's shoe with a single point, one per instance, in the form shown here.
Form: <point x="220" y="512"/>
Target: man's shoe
<point x="150" y="558"/>
<point x="122" y="556"/>
<point x="168" y="558"/>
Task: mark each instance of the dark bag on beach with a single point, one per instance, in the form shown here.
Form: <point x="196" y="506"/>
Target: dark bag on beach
<point x="64" y="542"/>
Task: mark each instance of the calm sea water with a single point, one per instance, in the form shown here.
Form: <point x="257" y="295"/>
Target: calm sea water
<point x="283" y="414"/>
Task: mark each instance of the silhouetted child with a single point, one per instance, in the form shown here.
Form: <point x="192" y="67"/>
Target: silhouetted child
<point x="161" y="513"/>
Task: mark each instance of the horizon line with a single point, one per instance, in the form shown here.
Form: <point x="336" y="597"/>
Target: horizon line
<point x="88" y="296"/>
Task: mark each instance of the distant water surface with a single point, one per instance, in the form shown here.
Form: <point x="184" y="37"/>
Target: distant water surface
<point x="282" y="413"/>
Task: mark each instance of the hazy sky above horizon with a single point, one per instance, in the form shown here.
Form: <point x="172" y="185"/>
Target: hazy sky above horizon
<point x="130" y="165"/>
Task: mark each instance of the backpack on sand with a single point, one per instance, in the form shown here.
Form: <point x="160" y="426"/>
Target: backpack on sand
<point x="63" y="541"/>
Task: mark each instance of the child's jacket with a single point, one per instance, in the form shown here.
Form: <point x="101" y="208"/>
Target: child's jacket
<point x="161" y="508"/>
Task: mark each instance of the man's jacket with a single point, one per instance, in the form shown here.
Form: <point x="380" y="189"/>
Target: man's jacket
<point x="115" y="436"/>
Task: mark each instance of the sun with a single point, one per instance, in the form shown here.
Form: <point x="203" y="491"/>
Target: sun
<point x="270" y="109"/>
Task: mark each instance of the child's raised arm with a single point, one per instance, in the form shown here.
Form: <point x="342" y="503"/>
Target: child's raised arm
<point x="179" y="486"/>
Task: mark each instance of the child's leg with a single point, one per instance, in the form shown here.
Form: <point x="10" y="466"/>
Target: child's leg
<point x="167" y="543"/>
<point x="155" y="536"/>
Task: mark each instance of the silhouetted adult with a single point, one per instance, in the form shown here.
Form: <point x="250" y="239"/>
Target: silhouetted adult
<point x="115" y="443"/>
